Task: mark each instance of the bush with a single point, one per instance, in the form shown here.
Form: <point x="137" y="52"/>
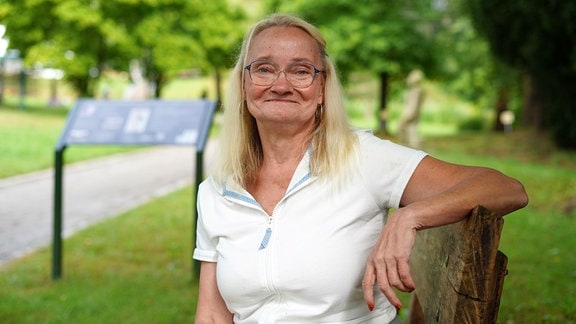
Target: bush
<point x="475" y="123"/>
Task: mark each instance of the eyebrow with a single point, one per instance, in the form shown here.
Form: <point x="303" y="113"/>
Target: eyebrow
<point x="293" y="60"/>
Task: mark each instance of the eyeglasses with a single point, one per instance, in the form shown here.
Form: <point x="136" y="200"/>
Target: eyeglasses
<point x="265" y="73"/>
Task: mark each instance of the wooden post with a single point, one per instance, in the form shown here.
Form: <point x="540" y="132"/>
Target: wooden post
<point x="458" y="271"/>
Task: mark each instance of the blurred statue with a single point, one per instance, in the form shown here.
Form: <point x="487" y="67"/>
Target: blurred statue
<point x="138" y="89"/>
<point x="408" y="124"/>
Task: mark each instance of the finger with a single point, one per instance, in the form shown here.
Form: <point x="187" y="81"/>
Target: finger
<point x="405" y="277"/>
<point x="399" y="275"/>
<point x="396" y="272"/>
<point x="393" y="276"/>
<point x="368" y="286"/>
<point x="385" y="286"/>
<point x="387" y="290"/>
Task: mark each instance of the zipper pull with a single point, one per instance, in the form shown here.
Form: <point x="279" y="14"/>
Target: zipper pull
<point x="267" y="235"/>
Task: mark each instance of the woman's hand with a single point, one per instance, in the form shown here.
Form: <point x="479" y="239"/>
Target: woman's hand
<point x="388" y="264"/>
<point x="437" y="194"/>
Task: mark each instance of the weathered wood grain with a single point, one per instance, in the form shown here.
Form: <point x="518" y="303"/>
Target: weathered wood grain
<point x="458" y="271"/>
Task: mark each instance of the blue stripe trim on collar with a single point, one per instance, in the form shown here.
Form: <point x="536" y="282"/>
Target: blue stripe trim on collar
<point x="301" y="181"/>
<point x="238" y="196"/>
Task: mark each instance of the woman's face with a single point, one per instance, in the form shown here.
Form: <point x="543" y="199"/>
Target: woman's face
<point x="281" y="102"/>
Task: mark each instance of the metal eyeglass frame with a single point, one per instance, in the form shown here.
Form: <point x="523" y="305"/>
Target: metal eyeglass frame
<point x="316" y="72"/>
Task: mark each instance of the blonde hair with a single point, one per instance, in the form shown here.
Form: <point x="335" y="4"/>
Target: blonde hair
<point x="332" y="141"/>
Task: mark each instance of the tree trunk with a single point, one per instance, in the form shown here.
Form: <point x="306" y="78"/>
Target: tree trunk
<point x="2" y="81"/>
<point x="382" y="112"/>
<point x="82" y="85"/>
<point x="501" y="106"/>
<point x="159" y="82"/>
<point x="532" y="104"/>
<point x="218" y="80"/>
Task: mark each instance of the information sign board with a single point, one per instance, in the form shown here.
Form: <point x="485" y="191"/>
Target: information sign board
<point x="146" y="122"/>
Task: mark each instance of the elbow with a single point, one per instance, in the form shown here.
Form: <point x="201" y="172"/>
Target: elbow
<point x="212" y="319"/>
<point x="519" y="198"/>
<point x="523" y="201"/>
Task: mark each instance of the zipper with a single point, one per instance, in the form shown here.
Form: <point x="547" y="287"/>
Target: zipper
<point x="272" y="308"/>
<point x="267" y="235"/>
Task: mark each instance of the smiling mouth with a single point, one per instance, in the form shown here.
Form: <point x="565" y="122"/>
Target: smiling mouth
<point x="281" y="100"/>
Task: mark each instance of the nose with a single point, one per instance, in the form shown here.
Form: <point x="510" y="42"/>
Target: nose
<point x="281" y="82"/>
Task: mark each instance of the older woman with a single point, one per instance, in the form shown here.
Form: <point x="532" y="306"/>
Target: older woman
<point x="294" y="224"/>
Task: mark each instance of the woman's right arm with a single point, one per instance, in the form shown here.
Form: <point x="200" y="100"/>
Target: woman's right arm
<point x="211" y="307"/>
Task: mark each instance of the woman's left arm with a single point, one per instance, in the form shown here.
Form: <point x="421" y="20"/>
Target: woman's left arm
<point x="437" y="194"/>
<point x="211" y="308"/>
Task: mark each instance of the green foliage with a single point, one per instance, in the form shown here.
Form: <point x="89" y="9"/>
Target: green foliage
<point x="370" y="35"/>
<point x="396" y="37"/>
<point x="465" y="67"/>
<point x="538" y="38"/>
<point x="476" y="123"/>
<point x="85" y="38"/>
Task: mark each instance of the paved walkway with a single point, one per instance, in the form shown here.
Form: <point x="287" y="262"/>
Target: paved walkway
<point x="93" y="190"/>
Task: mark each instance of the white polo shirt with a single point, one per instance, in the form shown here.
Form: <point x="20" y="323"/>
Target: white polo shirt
<point x="305" y="262"/>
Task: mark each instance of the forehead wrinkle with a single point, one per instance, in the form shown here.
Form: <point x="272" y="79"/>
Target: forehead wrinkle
<point x="266" y="40"/>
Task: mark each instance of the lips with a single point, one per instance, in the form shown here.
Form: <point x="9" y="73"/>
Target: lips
<point x="281" y="100"/>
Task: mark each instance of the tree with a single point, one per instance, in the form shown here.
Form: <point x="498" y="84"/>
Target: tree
<point x="538" y="38"/>
<point x="468" y="68"/>
<point x="220" y="37"/>
<point x="70" y="35"/>
<point x="388" y="38"/>
<point x="85" y="37"/>
<point x="182" y="34"/>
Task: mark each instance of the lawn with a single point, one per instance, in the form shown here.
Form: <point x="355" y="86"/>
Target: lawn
<point x="136" y="268"/>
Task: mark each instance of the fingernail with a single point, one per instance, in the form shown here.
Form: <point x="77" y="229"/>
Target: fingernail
<point x="371" y="306"/>
<point x="398" y="308"/>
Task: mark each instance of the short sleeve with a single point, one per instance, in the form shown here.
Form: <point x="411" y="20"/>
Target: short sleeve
<point x="206" y="241"/>
<point x="386" y="168"/>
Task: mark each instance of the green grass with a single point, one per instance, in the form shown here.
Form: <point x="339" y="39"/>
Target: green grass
<point x="135" y="268"/>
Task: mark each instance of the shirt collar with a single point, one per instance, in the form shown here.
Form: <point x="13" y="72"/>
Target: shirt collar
<point x="302" y="176"/>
